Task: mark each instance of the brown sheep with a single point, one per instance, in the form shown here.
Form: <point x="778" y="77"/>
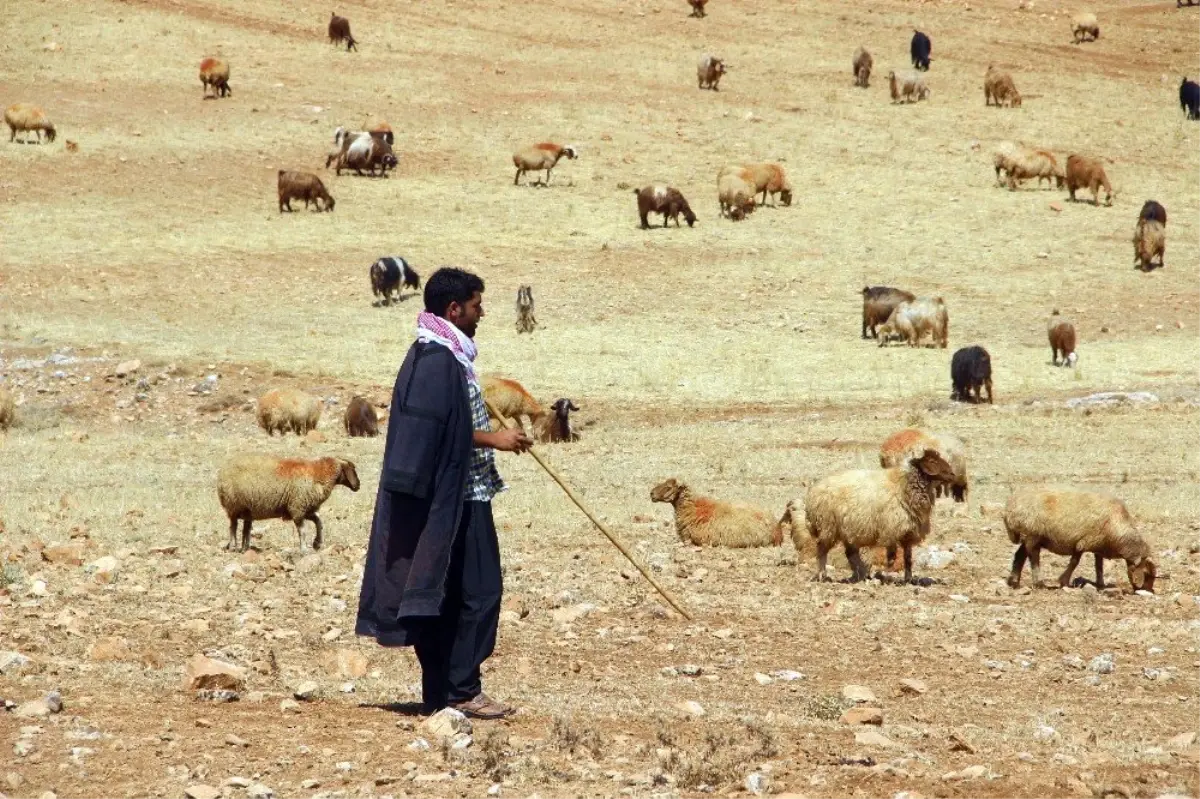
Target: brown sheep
<point x="25" y="117"/>
<point x="360" y="419"/>
<point x="339" y="31"/>
<point x="770" y="179"/>
<point x="1149" y="241"/>
<point x="666" y="200"/>
<point x="1062" y="340"/>
<point x="214" y="74"/>
<point x="862" y="67"/>
<point x="999" y="87"/>
<point x="367" y="152"/>
<point x="703" y="521"/>
<point x="698" y="8"/>
<point x="878" y="304"/>
<point x="735" y="192"/>
<point x="302" y="186"/>
<point x="541" y="156"/>
<point x="1024" y="163"/>
<point x="709" y="71"/>
<point x="1083" y="172"/>
<point x="556" y="425"/>
<point x="1083" y="26"/>
<point x="511" y="399"/>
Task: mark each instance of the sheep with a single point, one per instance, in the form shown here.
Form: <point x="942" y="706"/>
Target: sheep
<point x="214" y="74"/>
<point x="339" y="31"/>
<point x="887" y="508"/>
<point x="709" y="71"/>
<point x="365" y="152"/>
<point x="1084" y="25"/>
<point x="8" y="409"/>
<point x="1189" y="98"/>
<point x="878" y="304"/>
<point x="1069" y="521"/>
<point x="735" y="192"/>
<point x="971" y="371"/>
<point x="382" y="130"/>
<point x="510" y="399"/>
<point x="862" y="67"/>
<point x="257" y="487"/>
<point x="556" y="425"/>
<point x="911" y="442"/>
<point x="360" y="419"/>
<point x="703" y="521"/>
<point x="999" y="87"/>
<point x="281" y="410"/>
<point x="24" y="117"/>
<point x="1083" y="172"/>
<point x="390" y="275"/>
<point x="1149" y="240"/>
<point x="907" y="86"/>
<point x="541" y="156"/>
<point x="526" y="321"/>
<point x="1023" y="163"/>
<point x="912" y="319"/>
<point x="1153" y="211"/>
<point x="698" y="8"/>
<point x="302" y="186"/>
<point x="770" y="179"/>
<point x="658" y="198"/>
<point x="919" y="49"/>
<point x="1062" y="340"/>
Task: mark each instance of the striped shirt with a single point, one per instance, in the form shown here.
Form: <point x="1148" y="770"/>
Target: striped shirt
<point x="483" y="480"/>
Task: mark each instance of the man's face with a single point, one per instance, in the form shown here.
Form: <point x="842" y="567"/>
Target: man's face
<point x="466" y="316"/>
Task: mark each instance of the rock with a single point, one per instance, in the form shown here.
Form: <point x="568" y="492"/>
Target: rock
<point x="960" y="744"/>
<point x="494" y="789"/>
<point x="913" y="687"/>
<point x="763" y="679"/>
<point x="306" y="690"/>
<point x="24" y="747"/>
<point x="419" y="745"/>
<point x="332" y="635"/>
<point x="692" y="708"/>
<point x="969" y="773"/>
<point x="289" y="706"/>
<point x="1107" y="398"/>
<point x="12" y="663"/>
<point x="195" y="626"/>
<point x="127" y="368"/>
<point x="1073" y="661"/>
<point x="309" y="784"/>
<point x="858" y="693"/>
<point x="40" y="708"/>
<point x="259" y="791"/>
<point x="70" y="554"/>
<point x="447" y="723"/>
<point x="104" y="570"/>
<point x="346" y="663"/>
<point x="238" y="782"/>
<point x="723" y="634"/>
<point x="757" y="783"/>
<point x="573" y="613"/>
<point x="1102" y="663"/>
<point x="863" y="715"/>
<point x="113" y="648"/>
<point x="201" y="792"/>
<point x="201" y="672"/>
<point x="960" y="598"/>
<point x="38" y="588"/>
<point x="689" y="670"/>
<point x="461" y="741"/>
<point x="233" y="740"/>
<point x="1181" y="741"/>
<point x="873" y="738"/>
<point x="1053" y="206"/>
<point x="217" y="695"/>
<point x="787" y="675"/>
<point x="1045" y="733"/>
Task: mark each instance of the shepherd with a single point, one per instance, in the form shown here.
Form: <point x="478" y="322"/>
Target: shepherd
<point x="432" y="577"/>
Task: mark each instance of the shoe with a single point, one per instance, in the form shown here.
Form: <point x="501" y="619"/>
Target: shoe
<point x="483" y="707"/>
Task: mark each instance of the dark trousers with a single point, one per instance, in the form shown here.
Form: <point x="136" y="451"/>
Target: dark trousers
<point x="464" y="635"/>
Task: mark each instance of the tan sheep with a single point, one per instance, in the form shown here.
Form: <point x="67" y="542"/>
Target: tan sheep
<point x="24" y="117"/>
<point x="256" y="487"/>
<point x="283" y="410"/>
<point x="214" y="74"/>
<point x="541" y="156"/>
<point x="703" y="521"/>
<point x="910" y="321"/>
<point x="770" y="179"/>
<point x="1068" y="521"/>
<point x="862" y="67"/>
<point x="1024" y="163"/>
<point x="1083" y="26"/>
<point x="907" y="85"/>
<point x="735" y="192"/>
<point x="998" y="87"/>
<point x="907" y="444"/>
<point x="1149" y="242"/>
<point x="1062" y="340"/>
<point x="1084" y="172"/>
<point x="8" y="409"/>
<point x="510" y="399"/>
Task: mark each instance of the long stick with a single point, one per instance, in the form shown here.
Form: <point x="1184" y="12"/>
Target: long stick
<point x="506" y="424"/>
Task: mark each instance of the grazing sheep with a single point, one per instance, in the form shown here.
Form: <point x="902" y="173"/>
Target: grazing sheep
<point x="1189" y="98"/>
<point x="1083" y="26"/>
<point x="709" y="71"/>
<point x="526" y="321"/>
<point x="556" y="425"/>
<point x="1087" y="173"/>
<point x="971" y="371"/>
<point x="360" y="419"/>
<point x="1153" y="211"/>
<point x="541" y="156"/>
<point x="25" y="117"/>
<point x="1062" y="340"/>
<point x="909" y="443"/>
<point x="658" y="198"/>
<point x="907" y="86"/>
<point x="339" y="31"/>
<point x="1149" y="241"/>
<point x="1022" y="163"/>
<point x="281" y="410"/>
<point x="878" y="304"/>
<point x="302" y="186"/>
<point x="698" y="8"/>
<point x="1068" y="521"/>
<point x="862" y="67"/>
<point x="911" y="320"/>
<point x="887" y="508"/>
<point x="8" y="409"/>
<point x="770" y="179"/>
<point x="703" y="521"/>
<point x="919" y="49"/>
<point x="257" y="487"/>
<point x="214" y="74"/>
<point x="735" y="192"/>
<point x="367" y="152"/>
<point x="510" y="399"/>
<point x="390" y="275"/>
<point x="999" y="87"/>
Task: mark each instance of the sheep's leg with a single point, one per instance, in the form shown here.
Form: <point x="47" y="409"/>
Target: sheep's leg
<point x="1064" y="579"/>
<point x="246" y="522"/>
<point x="316" y="543"/>
<point x="988" y="385"/>
<point x="859" y="570"/>
<point x="1035" y="565"/>
<point x="517" y="177"/>
<point x="908" y="578"/>
<point x="546" y="182"/>
<point x="822" y="557"/>
<point x="232" y="534"/>
<point x="299" y="532"/>
<point x="1018" y="563"/>
<point x="1099" y="572"/>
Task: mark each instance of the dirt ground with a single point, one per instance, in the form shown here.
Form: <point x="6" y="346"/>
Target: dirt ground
<point x="727" y="355"/>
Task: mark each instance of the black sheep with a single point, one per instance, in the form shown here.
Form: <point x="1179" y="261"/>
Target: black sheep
<point x="920" y="49"/>
<point x="971" y="371"/>
<point x="1189" y="98"/>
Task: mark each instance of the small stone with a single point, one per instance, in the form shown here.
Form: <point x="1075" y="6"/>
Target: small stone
<point x="913" y="687"/>
<point x="127" y="368"/>
<point x="201" y="792"/>
<point x="873" y="738"/>
<point x="13" y="663"/>
<point x="1102" y="663"/>
<point x="204" y="672"/>
<point x="70" y="554"/>
<point x="689" y="670"/>
<point x="419" y="745"/>
<point x="217" y="695"/>
<point x="104" y="570"/>
<point x="969" y="773"/>
<point x="238" y="782"/>
<point x="1182" y="741"/>
<point x="447" y="723"/>
<point x="289" y="706"/>
<point x="573" y="613"/>
<point x="38" y="588"/>
<point x="1055" y="206"/>
<point x="461" y="741"/>
<point x="113" y="648"/>
<point x="24" y="747"/>
<point x="858" y="693"/>
<point x="306" y="690"/>
<point x="309" y="784"/>
<point x="1073" y="661"/>
<point x="968" y="651"/>
<point x="960" y="744"/>
<point x="1045" y="734"/>
<point x="347" y="663"/>
<point x="960" y="598"/>
<point x="692" y="708"/>
<point x="259" y="791"/>
<point x="344" y="766"/>
<point x="863" y="715"/>
<point x="233" y="740"/>
<point x="332" y="635"/>
<point x="763" y="679"/>
<point x="723" y="634"/>
<point x="787" y="675"/>
<point x="757" y="783"/>
<point x="494" y="789"/>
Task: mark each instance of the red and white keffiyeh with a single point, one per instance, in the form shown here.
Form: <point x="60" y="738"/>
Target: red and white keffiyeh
<point x="431" y="327"/>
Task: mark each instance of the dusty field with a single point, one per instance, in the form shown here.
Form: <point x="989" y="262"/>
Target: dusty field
<point x="727" y="355"/>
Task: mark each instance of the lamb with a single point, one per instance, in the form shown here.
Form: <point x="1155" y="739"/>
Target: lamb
<point x="541" y="156"/>
<point x="390" y="275"/>
<point x="1149" y="241"/>
<point x="709" y="71"/>
<point x="878" y="304"/>
<point x="658" y="198"/>
<point x="703" y="521"/>
<point x="556" y="425"/>
<point x="8" y="409"/>
<point x="366" y="152"/>
<point x="339" y="31"/>
<point x="907" y="86"/>
<point x="735" y="192"/>
<point x="1068" y="521"/>
<point x="24" y="117"/>
<point x="1153" y="211"/>
<point x="302" y="186"/>
<point x="971" y="371"/>
<point x="999" y="87"/>
<point x="862" y="67"/>
<point x="919" y="49"/>
<point x="281" y="410"/>
<point x="360" y="419"/>
<point x="526" y="321"/>
<point x="887" y="508"/>
<point x="1062" y="340"/>
<point x="1189" y="98"/>
<point x="1085" y="25"/>
<point x="510" y="399"/>
<point x="911" y="320"/>
<point x="909" y="443"/>
<point x="1083" y="172"/>
<point x="214" y="74"/>
<point x="770" y="179"/>
<point x="257" y="487"/>
<point x="1024" y="163"/>
<point x="698" y="8"/>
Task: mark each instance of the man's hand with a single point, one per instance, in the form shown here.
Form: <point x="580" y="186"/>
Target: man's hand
<point x="510" y="440"/>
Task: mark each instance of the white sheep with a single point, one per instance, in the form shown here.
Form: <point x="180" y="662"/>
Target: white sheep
<point x="282" y="410"/>
<point x="541" y="156"/>
<point x="1070" y="521"/>
<point x="256" y="487"/>
<point x="704" y="521"/>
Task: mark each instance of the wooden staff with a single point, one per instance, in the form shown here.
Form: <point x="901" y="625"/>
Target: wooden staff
<point x="506" y="424"/>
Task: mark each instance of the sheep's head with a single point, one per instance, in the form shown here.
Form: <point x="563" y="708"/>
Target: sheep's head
<point x="688" y="216"/>
<point x="720" y="66"/>
<point x="411" y="278"/>
<point x="934" y="466"/>
<point x="389" y="161"/>
<point x="1141" y="575"/>
<point x="785" y="197"/>
<point x="562" y="407"/>
<point x="570" y="152"/>
<point x="347" y="475"/>
<point x="666" y="491"/>
<point x="1016" y="99"/>
<point x="1072" y="359"/>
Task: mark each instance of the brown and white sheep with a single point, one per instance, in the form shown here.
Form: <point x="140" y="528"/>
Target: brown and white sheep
<point x="769" y="178"/>
<point x="735" y="192"/>
<point x="214" y="74"/>
<point x="556" y="425"/>
<point x="703" y="521"/>
<point x="1083" y="26"/>
<point x="284" y="410"/>
<point x="360" y="419"/>
<point x="526" y="321"/>
<point x="1149" y="242"/>
<point x="256" y="487"/>
<point x="24" y="117"/>
<point x="998" y="87"/>
<point x="1062" y="340"/>
<point x="339" y="31"/>
<point x="1023" y="163"/>
<point x="698" y="8"/>
<point x="8" y="409"/>
<point x="658" y="198"/>
<point x="911" y="320"/>
<point x="709" y="71"/>
<point x="302" y="186"/>
<point x="369" y="152"/>
<point x="541" y="156"/>
<point x="907" y="85"/>
<point x="909" y="443"/>
<point x="1071" y="522"/>
<point x="862" y="67"/>
<point x="878" y="304"/>
<point x="1088" y="173"/>
<point x="510" y="399"/>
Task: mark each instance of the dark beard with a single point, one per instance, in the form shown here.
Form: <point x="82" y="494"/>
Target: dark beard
<point x="469" y="332"/>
